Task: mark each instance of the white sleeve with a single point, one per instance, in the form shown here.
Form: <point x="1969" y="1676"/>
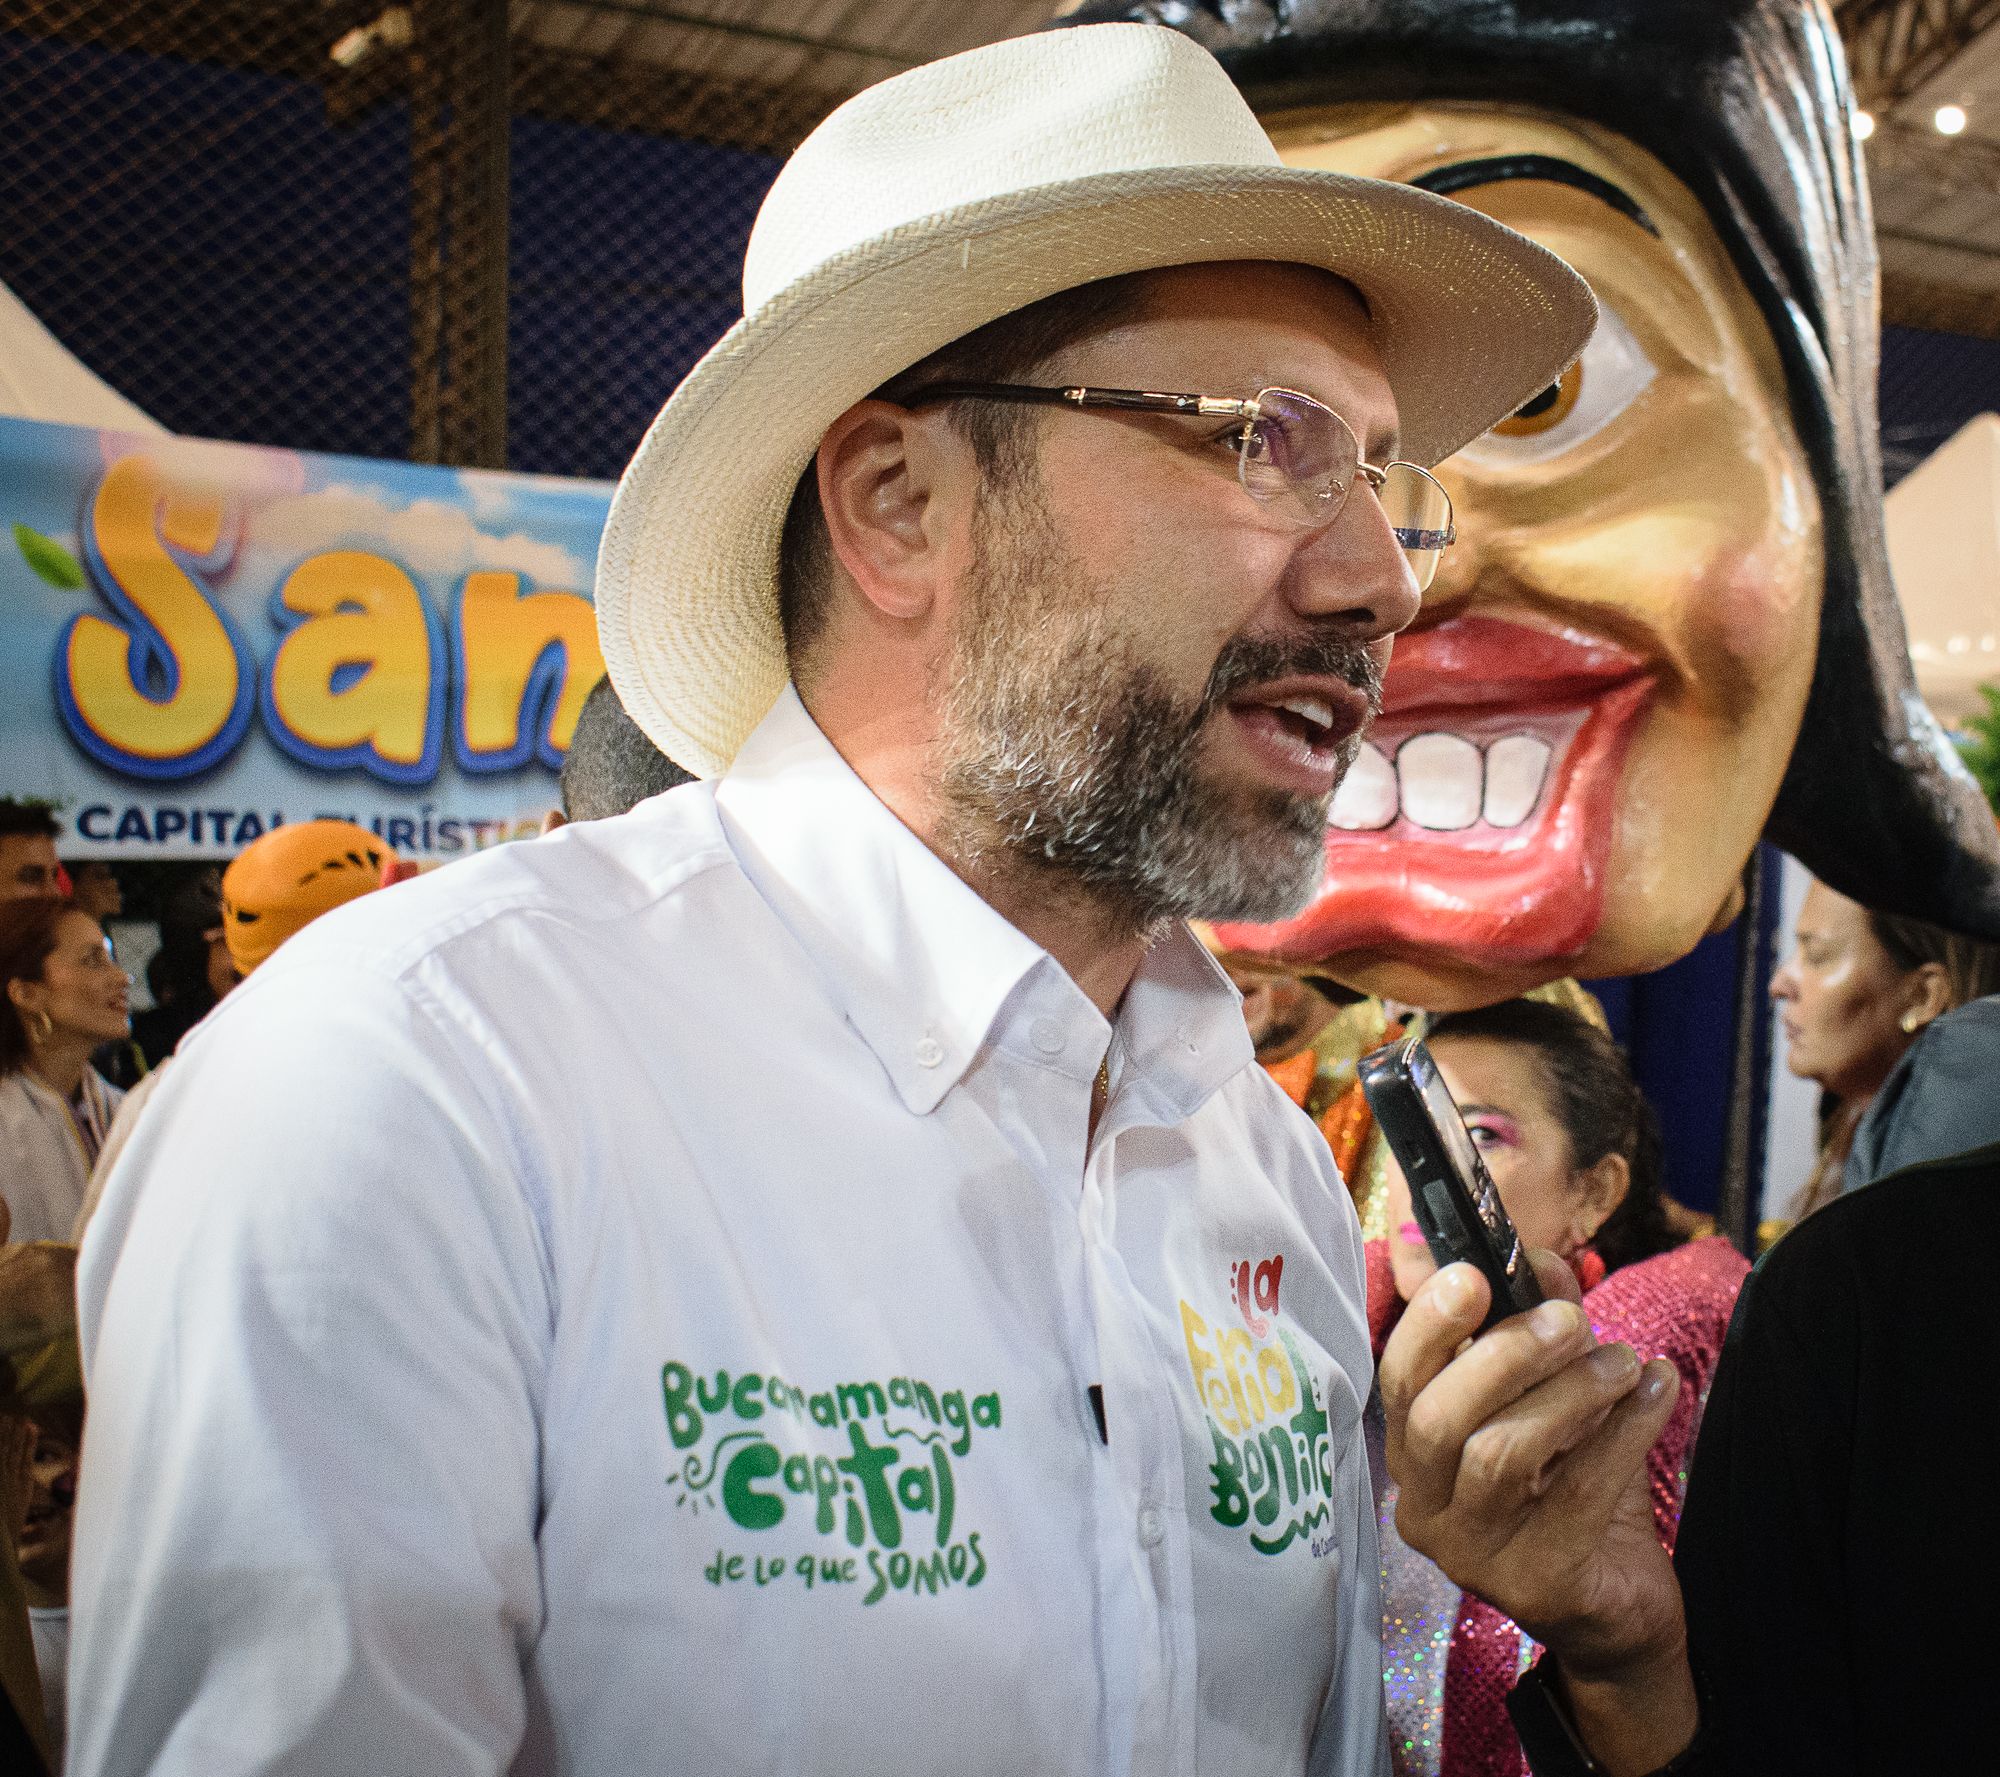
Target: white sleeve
<point x="316" y="1318"/>
<point x="1352" y="1739"/>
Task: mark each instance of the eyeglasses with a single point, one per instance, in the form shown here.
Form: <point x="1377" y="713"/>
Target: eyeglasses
<point x="1293" y="454"/>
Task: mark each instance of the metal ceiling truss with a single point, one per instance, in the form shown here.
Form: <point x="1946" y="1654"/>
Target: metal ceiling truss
<point x="1895" y="46"/>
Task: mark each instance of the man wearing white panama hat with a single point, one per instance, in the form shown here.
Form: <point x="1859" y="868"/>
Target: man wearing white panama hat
<point x="531" y="1387"/>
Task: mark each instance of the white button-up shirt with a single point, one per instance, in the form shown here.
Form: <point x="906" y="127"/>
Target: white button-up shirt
<point x="634" y="1302"/>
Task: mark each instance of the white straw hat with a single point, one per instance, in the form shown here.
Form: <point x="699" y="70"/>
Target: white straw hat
<point x="953" y="194"/>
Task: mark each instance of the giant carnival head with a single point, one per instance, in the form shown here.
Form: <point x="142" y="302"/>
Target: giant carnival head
<point x="1668" y="626"/>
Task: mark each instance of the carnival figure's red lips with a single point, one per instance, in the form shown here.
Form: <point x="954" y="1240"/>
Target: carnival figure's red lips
<point x="1477" y="818"/>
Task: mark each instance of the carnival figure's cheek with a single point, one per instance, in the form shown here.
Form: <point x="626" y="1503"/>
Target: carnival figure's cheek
<point x="1756" y="638"/>
<point x="1585" y="730"/>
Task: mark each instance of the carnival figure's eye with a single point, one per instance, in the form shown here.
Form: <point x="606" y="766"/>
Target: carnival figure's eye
<point x="1612" y="373"/>
<point x="1548" y="409"/>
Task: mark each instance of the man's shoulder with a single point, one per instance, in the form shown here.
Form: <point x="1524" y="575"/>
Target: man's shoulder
<point x="1288" y="1141"/>
<point x="588" y="874"/>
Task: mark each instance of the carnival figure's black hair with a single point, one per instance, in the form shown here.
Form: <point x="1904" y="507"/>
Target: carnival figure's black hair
<point x="1747" y="103"/>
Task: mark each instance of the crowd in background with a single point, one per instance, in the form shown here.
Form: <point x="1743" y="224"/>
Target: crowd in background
<point x="1895" y="1020"/>
<point x="76" y="1069"/>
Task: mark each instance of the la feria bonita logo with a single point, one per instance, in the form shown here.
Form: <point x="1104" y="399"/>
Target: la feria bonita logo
<point x="1267" y="1421"/>
<point x="853" y="1488"/>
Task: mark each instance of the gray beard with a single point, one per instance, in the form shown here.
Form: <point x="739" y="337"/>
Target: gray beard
<point x="1066" y="757"/>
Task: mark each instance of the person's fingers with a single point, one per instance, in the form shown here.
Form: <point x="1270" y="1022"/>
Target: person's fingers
<point x="1496" y="1395"/>
<point x="1594" y="1476"/>
<point x="1553" y="1273"/>
<point x="1445" y="1311"/>
<point x="1426" y="1437"/>
<point x="1439" y="1318"/>
<point x="1514" y="1455"/>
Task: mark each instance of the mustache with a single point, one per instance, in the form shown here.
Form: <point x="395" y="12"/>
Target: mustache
<point x="1256" y="660"/>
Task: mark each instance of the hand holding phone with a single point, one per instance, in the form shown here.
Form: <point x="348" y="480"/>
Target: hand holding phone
<point x="1452" y="1195"/>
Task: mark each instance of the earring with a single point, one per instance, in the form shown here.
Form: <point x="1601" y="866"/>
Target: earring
<point x="1588" y="1264"/>
<point x="1912" y="1022"/>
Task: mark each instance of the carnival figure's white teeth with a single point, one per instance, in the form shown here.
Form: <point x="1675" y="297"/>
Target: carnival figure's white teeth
<point x="1440" y="778"/>
<point x="1444" y="782"/>
<point x="1367" y="796"/>
<point x="1516" y="768"/>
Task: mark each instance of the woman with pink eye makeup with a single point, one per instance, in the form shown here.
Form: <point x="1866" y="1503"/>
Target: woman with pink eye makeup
<point x="1575" y="1154"/>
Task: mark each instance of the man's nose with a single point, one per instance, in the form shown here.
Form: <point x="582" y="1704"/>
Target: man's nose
<point x="1354" y="572"/>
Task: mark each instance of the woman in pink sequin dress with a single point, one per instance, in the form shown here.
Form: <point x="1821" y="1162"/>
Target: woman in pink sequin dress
<point x="1574" y="1151"/>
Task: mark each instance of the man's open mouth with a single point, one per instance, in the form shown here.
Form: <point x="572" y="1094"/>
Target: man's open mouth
<point x="1478" y="815"/>
<point x="1298" y="731"/>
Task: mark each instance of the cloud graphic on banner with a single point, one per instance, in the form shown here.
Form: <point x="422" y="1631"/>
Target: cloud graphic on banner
<point x="199" y="640"/>
<point x="433" y="540"/>
<point x="201" y="465"/>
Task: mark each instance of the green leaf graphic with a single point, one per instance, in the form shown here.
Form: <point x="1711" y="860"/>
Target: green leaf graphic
<point x="1981" y="746"/>
<point x="49" y="559"/>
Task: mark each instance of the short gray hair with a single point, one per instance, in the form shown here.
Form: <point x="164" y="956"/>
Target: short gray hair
<point x="611" y="765"/>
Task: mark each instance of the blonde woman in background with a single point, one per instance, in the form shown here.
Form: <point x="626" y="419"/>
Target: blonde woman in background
<point x="1894" y="1019"/>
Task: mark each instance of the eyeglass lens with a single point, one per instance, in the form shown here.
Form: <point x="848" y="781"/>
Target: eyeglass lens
<point x="1419" y="512"/>
<point x="1302" y="455"/>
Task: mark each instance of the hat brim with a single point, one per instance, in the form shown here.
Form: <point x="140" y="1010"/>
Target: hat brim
<point x="1471" y="320"/>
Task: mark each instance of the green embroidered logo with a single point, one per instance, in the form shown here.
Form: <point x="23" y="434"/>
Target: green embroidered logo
<point x="869" y="1467"/>
<point x="1267" y="1421"/>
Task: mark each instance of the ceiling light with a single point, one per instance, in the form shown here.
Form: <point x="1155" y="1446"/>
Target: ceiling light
<point x="392" y="29"/>
<point x="1948" y="120"/>
<point x="1864" y="125"/>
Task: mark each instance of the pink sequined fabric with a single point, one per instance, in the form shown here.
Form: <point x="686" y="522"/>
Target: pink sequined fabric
<point x="1448" y="1660"/>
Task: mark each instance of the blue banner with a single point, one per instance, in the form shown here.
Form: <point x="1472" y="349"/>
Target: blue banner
<point x="199" y="641"/>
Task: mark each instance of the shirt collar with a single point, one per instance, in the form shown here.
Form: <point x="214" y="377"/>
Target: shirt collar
<point x="919" y="963"/>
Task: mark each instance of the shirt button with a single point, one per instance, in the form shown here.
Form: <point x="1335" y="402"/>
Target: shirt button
<point x="929" y="1052"/>
<point x="1046" y="1034"/>
<point x="1152" y="1526"/>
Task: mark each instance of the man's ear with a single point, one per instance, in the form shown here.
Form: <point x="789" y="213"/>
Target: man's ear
<point x="887" y="477"/>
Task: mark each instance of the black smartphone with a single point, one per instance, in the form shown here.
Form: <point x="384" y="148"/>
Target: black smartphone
<point x="1451" y="1192"/>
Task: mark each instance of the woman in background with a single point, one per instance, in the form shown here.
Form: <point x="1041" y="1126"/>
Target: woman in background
<point x="1893" y="1019"/>
<point x="1575" y="1155"/>
<point x="64" y="995"/>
